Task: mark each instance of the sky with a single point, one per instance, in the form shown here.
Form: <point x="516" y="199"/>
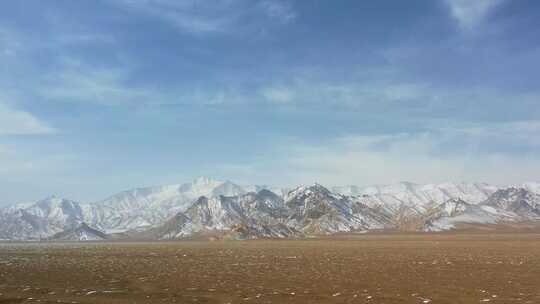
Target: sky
<point x="107" y="95"/>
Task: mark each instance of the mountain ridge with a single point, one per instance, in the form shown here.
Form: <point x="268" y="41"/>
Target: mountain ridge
<point x="207" y="205"/>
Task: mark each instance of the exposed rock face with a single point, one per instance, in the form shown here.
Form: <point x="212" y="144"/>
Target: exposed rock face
<point x="455" y="211"/>
<point x="316" y="210"/>
<point x="83" y="232"/>
<point x="519" y="201"/>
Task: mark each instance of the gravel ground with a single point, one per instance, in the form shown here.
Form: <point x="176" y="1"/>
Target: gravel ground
<point x="418" y="268"/>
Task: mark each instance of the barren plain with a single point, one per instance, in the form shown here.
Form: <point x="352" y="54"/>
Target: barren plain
<point x="371" y="268"/>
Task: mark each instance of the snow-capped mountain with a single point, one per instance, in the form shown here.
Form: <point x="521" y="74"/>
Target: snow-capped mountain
<point x="532" y="186"/>
<point x="422" y="195"/>
<point x="206" y="206"/>
<point x="263" y="214"/>
<point x="521" y="202"/>
<point x="39" y="220"/>
<point x="311" y="210"/>
<point x="146" y="207"/>
<point x="135" y="209"/>
<point x="316" y="210"/>
<point x="512" y="204"/>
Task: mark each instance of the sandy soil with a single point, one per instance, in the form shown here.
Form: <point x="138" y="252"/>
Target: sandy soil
<point x="429" y="268"/>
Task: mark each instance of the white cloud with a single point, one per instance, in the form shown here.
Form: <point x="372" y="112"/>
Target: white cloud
<point x="78" y="82"/>
<point x="345" y="94"/>
<point x="9" y="43"/>
<point x="493" y="153"/>
<point x="183" y="14"/>
<point x="278" y="94"/>
<point x="389" y="97"/>
<point x="470" y="13"/>
<point x="18" y="122"/>
<point x="201" y="17"/>
<point x="280" y="11"/>
<point x="498" y="153"/>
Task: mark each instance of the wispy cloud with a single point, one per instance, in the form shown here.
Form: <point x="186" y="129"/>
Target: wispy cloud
<point x="280" y="11"/>
<point x="390" y="95"/>
<point x="9" y="43"/>
<point x="79" y="82"/>
<point x="349" y="93"/>
<point x="470" y="13"/>
<point x="200" y="17"/>
<point x="279" y="94"/>
<point x="18" y="122"/>
<point x="462" y="153"/>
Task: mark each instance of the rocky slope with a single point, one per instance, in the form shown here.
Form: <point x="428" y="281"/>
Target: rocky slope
<point x="39" y="220"/>
<point x="455" y="211"/>
<point x="316" y="210"/>
<point x="81" y="232"/>
<point x="259" y="214"/>
<point x="518" y="203"/>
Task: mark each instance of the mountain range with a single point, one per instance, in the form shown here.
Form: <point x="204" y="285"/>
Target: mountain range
<point x="211" y="208"/>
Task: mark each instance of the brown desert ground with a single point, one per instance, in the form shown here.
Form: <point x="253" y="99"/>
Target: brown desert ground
<point x="372" y="268"/>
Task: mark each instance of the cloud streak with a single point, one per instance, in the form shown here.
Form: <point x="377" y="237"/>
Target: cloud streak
<point x="201" y="17"/>
<point x="17" y="122"/>
<point x="464" y="153"/>
<point x="470" y="14"/>
<point x="79" y="82"/>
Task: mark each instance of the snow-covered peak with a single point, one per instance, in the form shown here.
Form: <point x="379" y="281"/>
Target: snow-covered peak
<point x="204" y="181"/>
<point x="532" y="186"/>
<point x="55" y="207"/>
<point x="306" y="191"/>
<point x="39" y="219"/>
<point x="228" y="188"/>
<point x="201" y="186"/>
<point x="422" y="195"/>
<point x="143" y="207"/>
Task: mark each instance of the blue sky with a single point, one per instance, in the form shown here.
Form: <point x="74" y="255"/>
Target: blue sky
<point x="102" y="96"/>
